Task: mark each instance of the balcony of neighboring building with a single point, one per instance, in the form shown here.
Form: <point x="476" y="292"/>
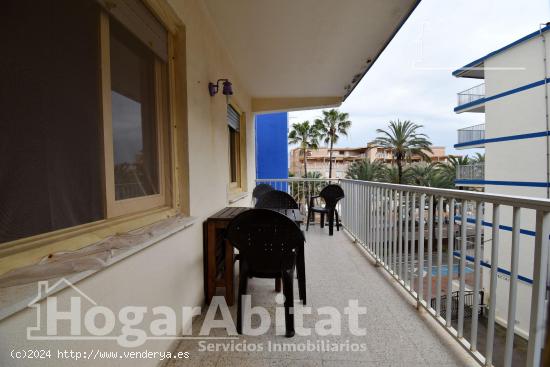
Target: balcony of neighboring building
<point x="471" y="100"/>
<point x="471" y="137"/>
<point x="470" y="175"/>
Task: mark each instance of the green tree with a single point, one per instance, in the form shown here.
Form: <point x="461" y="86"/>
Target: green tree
<point x="306" y="137"/>
<point x="404" y="140"/>
<point x="478" y="158"/>
<point x="365" y="170"/>
<point x="427" y="174"/>
<point x="390" y="174"/>
<point x="333" y="124"/>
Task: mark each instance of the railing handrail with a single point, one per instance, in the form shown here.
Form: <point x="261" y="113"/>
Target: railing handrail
<point x="472" y="165"/>
<point x="478" y="127"/>
<point x="511" y="200"/>
<point x="469" y="90"/>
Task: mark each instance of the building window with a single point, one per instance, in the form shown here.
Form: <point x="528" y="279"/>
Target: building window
<point x="234" y="126"/>
<point x="84" y="137"/>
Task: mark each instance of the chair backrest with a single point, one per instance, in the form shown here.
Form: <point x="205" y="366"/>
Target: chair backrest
<point x="266" y="240"/>
<point x="261" y="189"/>
<point x="331" y="194"/>
<point x="276" y="199"/>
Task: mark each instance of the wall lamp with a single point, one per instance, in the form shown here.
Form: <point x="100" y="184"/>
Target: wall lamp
<point x="226" y="91"/>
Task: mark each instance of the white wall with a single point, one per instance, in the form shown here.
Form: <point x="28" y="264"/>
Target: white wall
<point x="516" y="160"/>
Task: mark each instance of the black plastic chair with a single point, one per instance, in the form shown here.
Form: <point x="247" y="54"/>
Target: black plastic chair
<point x="276" y="199"/>
<point x="330" y="194"/>
<point x="261" y="189"/>
<point x="268" y="244"/>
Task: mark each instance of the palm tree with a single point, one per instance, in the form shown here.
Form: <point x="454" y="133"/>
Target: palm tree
<point x="390" y="174"/>
<point x="403" y="140"/>
<point x="365" y="170"/>
<point x="333" y="124"/>
<point x="306" y="136"/>
<point x="478" y="158"/>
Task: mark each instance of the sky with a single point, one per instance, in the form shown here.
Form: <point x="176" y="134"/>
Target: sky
<point x="411" y="80"/>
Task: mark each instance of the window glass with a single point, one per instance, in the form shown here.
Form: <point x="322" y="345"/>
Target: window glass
<point x="135" y="148"/>
<point x="233" y="154"/>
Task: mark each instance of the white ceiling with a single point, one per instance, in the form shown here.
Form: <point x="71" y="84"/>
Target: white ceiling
<point x="305" y="48"/>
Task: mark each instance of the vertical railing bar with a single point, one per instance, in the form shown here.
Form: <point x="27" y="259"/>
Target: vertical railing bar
<point x="386" y="227"/>
<point x="450" y="248"/>
<point x="406" y="242"/>
<point x="512" y="298"/>
<point x="395" y="240"/>
<point x="413" y="242"/>
<point x="420" y="293"/>
<point x="379" y="225"/>
<point x="400" y="243"/>
<point x="477" y="276"/>
<point x="462" y="282"/>
<point x="382" y="229"/>
<point x="495" y="234"/>
<point x="540" y="273"/>
<point x="430" y="249"/>
<point x="440" y="220"/>
<point x="368" y="206"/>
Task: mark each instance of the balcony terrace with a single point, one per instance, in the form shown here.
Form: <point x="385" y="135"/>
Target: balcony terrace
<point x="471" y="100"/>
<point x="337" y="271"/>
<point x="470" y="174"/>
<point x="375" y="259"/>
<point x="471" y="137"/>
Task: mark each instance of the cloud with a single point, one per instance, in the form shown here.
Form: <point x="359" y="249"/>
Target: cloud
<point x="412" y="78"/>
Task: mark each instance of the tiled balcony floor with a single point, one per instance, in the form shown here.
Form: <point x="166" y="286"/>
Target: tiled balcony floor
<point x="337" y="270"/>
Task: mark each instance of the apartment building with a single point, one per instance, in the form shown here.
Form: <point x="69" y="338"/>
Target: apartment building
<point x="514" y="101"/>
<point x="318" y="160"/>
<point x="376" y="153"/>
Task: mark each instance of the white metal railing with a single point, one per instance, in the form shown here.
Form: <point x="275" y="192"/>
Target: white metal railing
<point x="301" y="189"/>
<point x="471" y="94"/>
<point x="471" y="133"/>
<point x="390" y="221"/>
<point x="471" y="172"/>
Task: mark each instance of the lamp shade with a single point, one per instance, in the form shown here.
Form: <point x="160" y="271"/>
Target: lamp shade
<point x="227" y="88"/>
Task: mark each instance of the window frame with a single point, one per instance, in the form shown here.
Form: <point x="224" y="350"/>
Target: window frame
<point x="113" y="207"/>
<point x="237" y="186"/>
<point x="28" y="250"/>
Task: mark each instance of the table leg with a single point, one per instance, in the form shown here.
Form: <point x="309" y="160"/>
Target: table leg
<point x="229" y="292"/>
<point x="277" y="285"/>
<point x="211" y="262"/>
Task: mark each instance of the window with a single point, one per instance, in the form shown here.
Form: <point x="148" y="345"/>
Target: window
<point x="234" y="125"/>
<point x="83" y="115"/>
<point x="134" y="113"/>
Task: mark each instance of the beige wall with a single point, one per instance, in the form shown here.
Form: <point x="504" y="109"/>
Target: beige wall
<point x="168" y="273"/>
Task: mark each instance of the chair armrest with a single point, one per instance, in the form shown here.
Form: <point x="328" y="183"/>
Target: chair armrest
<point x="312" y="198"/>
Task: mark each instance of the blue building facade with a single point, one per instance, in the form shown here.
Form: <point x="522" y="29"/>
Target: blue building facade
<point x="272" y="145"/>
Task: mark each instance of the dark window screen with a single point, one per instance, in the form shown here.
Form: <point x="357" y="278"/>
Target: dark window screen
<point x="134" y="129"/>
<point x="50" y="151"/>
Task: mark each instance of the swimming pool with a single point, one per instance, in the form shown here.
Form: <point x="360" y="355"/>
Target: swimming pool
<point x="445" y="270"/>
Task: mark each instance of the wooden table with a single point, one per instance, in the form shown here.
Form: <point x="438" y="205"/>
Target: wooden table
<point x="218" y="253"/>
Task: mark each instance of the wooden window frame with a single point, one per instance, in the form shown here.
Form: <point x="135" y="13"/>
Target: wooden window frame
<point x="240" y="148"/>
<point x="113" y="207"/>
<point x="29" y="250"/>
